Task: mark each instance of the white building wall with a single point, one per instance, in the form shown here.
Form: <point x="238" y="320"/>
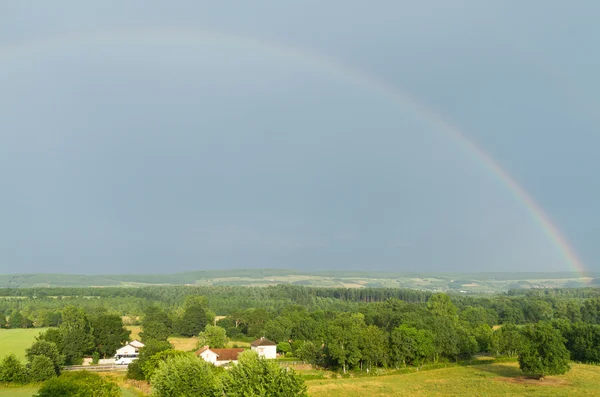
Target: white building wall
<point x="209" y="356"/>
<point x="128" y="349"/>
<point x="266" y="351"/>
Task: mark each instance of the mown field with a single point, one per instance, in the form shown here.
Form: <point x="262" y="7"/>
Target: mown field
<point x="501" y="379"/>
<point x="17" y="340"/>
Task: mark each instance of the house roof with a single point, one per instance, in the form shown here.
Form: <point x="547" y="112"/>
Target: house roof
<point x="200" y="351"/>
<point x="136" y="343"/>
<point x="222" y="354"/>
<point x="263" y="342"/>
<point x="227" y="354"/>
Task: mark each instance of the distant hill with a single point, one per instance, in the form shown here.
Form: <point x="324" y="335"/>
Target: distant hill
<point x="466" y="282"/>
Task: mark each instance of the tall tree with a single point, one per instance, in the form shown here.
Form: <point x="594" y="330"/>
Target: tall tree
<point x="156" y="325"/>
<point x="109" y="334"/>
<point x="193" y="320"/>
<point x="409" y="345"/>
<point x="374" y="346"/>
<point x="343" y="339"/>
<point x="76" y="335"/>
<point x="213" y="336"/>
<point x="441" y="305"/>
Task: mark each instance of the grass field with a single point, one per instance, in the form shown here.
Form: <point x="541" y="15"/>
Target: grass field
<point x="17" y="340"/>
<point x="503" y="379"/>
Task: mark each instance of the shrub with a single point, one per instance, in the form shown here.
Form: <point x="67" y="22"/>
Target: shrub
<point x="254" y="376"/>
<point x="12" y="371"/>
<point x="41" y="368"/>
<point x="185" y="375"/>
<point x="79" y="384"/>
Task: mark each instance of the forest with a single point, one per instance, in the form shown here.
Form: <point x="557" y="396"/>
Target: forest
<point x="336" y="328"/>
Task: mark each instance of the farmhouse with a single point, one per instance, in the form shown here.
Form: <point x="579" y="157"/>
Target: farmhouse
<point x="265" y="348"/>
<point x="130" y="349"/>
<point x="219" y="357"/>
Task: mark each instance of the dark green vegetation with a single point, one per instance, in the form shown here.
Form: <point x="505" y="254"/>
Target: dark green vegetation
<point x="467" y="282"/>
<point x="186" y="375"/>
<point x="348" y="330"/>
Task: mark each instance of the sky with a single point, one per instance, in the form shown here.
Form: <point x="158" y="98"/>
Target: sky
<point x="157" y="137"/>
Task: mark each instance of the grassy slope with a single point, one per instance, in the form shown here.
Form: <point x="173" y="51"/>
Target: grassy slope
<point x="484" y="380"/>
<point x="17" y="340"/>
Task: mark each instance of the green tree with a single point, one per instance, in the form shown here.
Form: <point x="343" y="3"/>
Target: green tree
<point x="52" y="335"/>
<point x="466" y="343"/>
<point x="183" y="376"/>
<point x="310" y="352"/>
<point x="343" y="339"/>
<point x="79" y="384"/>
<point x="279" y="329"/>
<point x="213" y="336"/>
<point x="253" y="376"/>
<point x="508" y="340"/>
<point x="544" y="352"/>
<point x="151" y="364"/>
<point x="76" y="335"/>
<point x="374" y="346"/>
<point x="109" y="334"/>
<point x="483" y="335"/>
<point x="48" y="350"/>
<point x="41" y="368"/>
<point x="156" y="325"/>
<point x="152" y="347"/>
<point x="441" y="305"/>
<point x="409" y="345"/>
<point x="18" y="320"/>
<point x="12" y="371"/>
<point x="284" y="347"/>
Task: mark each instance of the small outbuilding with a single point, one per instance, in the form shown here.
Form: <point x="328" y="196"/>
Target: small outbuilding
<point x="265" y="348"/>
<point x="219" y="357"/>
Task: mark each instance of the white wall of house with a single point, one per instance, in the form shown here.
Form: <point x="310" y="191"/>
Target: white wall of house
<point x="266" y="351"/>
<point x="209" y="356"/>
<point x="127" y="349"/>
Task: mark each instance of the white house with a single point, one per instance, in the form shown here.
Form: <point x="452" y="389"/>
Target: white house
<point x="265" y="348"/>
<point x="219" y="357"/>
<point x="130" y="349"/>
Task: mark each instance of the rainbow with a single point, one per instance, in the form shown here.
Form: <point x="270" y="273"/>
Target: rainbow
<point x="36" y="47"/>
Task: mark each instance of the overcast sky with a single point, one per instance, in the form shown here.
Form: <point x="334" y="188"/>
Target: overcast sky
<point x="133" y="141"/>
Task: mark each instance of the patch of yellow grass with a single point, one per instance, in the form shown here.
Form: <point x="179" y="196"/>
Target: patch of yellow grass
<point x="135" y="331"/>
<point x="183" y="343"/>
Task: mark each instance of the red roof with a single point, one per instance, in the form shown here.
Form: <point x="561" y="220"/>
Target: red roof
<point x="227" y="354"/>
<point x="222" y="354"/>
<point x="198" y="352"/>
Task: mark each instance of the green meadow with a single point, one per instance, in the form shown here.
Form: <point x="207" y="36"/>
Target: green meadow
<point x="17" y="340"/>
